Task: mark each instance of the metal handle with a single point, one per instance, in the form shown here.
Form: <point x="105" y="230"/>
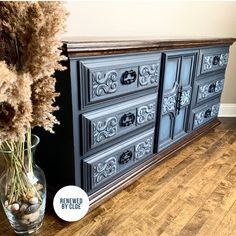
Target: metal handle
<point x="178" y="100"/>
<point x="125" y="157"/>
<point x="127" y="119"/>
<point x="212" y="88"/>
<point x="128" y="77"/>
<point x="216" y="60"/>
<point x="207" y="113"/>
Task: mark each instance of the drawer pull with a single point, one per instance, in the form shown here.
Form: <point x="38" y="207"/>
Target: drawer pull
<point x="212" y="88"/>
<point x="127" y="119"/>
<point x="128" y="77"/>
<point x="216" y="60"/>
<point x="207" y="113"/>
<point x="125" y="157"/>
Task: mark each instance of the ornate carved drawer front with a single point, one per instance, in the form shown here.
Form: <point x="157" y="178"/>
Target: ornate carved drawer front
<point x="111" y="122"/>
<point x="212" y="59"/>
<point x="105" y="165"/>
<point x="208" y="88"/>
<point x="105" y="78"/>
<point x="205" y="113"/>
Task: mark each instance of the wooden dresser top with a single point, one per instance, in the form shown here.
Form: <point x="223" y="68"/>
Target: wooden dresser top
<point x="99" y="46"/>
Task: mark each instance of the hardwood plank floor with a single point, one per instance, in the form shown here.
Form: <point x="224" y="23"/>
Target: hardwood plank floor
<point x="193" y="193"/>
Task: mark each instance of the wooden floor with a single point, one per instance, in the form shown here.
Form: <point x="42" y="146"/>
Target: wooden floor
<point x="193" y="193"/>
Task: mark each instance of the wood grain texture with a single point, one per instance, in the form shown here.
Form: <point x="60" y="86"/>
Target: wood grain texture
<point x="193" y="193"/>
<point x="99" y="46"/>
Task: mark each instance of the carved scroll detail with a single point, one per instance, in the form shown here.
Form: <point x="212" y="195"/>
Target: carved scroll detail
<point x="144" y="148"/>
<point x="104" y="83"/>
<point x="104" y="129"/>
<point x="199" y="118"/>
<point x="224" y="59"/>
<point x="148" y="74"/>
<point x="215" y="109"/>
<point x="219" y="85"/>
<point x="169" y="103"/>
<point x="146" y="113"/>
<point x="207" y="62"/>
<point x="104" y="169"/>
<point x="185" y="97"/>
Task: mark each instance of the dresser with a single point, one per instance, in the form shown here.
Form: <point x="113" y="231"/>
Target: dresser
<point x="127" y="105"/>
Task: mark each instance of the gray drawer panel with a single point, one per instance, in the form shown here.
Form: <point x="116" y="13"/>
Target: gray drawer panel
<point x="105" y="165"/>
<point x="204" y="113"/>
<point x="212" y="59"/>
<point x="207" y="88"/>
<point x="111" y="122"/>
<point x="106" y="78"/>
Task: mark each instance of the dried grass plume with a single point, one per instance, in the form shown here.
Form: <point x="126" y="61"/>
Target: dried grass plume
<point x="27" y="89"/>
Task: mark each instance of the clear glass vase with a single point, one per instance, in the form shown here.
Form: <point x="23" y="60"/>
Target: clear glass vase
<point x="22" y="186"/>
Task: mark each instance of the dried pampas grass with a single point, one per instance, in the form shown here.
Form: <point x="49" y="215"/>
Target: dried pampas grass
<point x="15" y="105"/>
<point x="27" y="93"/>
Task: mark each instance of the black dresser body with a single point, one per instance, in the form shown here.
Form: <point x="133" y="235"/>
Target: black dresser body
<point x="127" y="105"/>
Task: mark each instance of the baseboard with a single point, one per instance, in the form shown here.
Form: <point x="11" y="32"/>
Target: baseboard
<point x="227" y="110"/>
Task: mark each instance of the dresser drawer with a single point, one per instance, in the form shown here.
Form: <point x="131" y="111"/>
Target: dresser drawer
<point x="212" y="59"/>
<point x="111" y="122"/>
<point x="106" y="78"/>
<point x="207" y="88"/>
<point x="103" y="166"/>
<point x="204" y="113"/>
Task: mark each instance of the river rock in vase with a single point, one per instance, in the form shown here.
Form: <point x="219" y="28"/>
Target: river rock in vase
<point x="23" y="187"/>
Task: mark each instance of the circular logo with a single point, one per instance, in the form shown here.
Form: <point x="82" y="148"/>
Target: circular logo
<point x="71" y="203"/>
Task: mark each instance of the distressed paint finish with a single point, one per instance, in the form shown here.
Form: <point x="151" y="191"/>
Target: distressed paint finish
<point x="144" y="148"/>
<point x="224" y="59"/>
<point x="169" y="103"/>
<point x="212" y="59"/>
<point x="215" y="109"/>
<point x="103" y="166"/>
<point x="103" y="170"/>
<point x="176" y="98"/>
<point x="207" y="63"/>
<point x="105" y="78"/>
<point x="185" y="98"/>
<point x="146" y="113"/>
<point x="108" y="127"/>
<point x="104" y="83"/>
<point x="101" y="126"/>
<point x="149" y="74"/>
<point x="104" y="129"/>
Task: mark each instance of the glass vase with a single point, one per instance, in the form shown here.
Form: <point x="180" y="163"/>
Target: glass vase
<point x="22" y="186"/>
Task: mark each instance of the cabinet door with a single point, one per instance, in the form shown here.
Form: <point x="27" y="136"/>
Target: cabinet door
<point x="176" y="96"/>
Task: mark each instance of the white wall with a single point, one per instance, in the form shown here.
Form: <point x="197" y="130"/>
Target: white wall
<point x="158" y="19"/>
